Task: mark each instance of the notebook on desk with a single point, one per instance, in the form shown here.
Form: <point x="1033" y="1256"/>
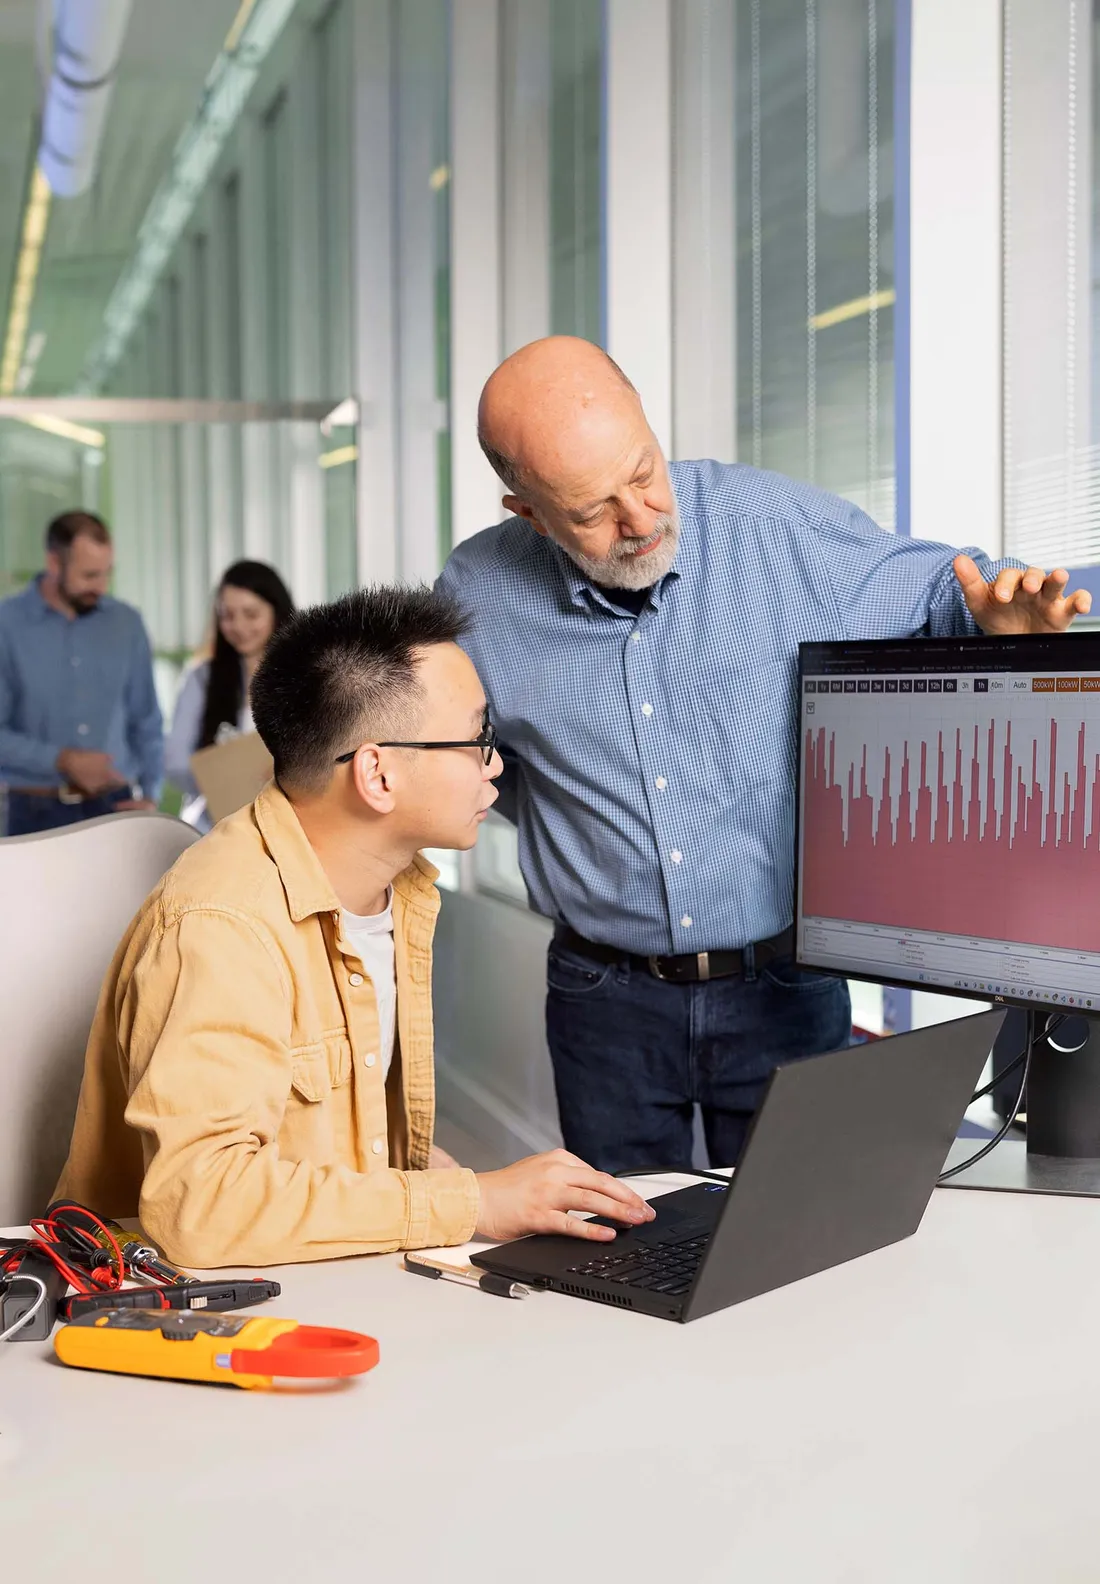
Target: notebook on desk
<point x="841" y="1159"/>
<point x="231" y="773"/>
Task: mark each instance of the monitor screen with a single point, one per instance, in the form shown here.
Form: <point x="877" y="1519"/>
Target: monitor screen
<point x="949" y="815"/>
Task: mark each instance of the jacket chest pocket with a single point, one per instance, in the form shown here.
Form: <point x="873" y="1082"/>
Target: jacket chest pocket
<point x="317" y="1069"/>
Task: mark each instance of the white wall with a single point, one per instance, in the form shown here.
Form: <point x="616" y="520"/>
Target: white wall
<point x="955" y="313"/>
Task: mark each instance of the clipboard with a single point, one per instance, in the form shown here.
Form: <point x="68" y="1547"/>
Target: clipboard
<point x="231" y="774"/>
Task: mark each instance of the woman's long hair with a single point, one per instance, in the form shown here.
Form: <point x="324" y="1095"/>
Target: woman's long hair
<point x="225" y="691"/>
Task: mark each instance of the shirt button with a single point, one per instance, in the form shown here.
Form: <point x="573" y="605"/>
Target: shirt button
<point x="82" y="731"/>
<point x="647" y="709"/>
<point x="686" y="921"/>
<point x="660" y="783"/>
<point x="377" y="1147"/>
<point x="370" y="1058"/>
<point x="675" y="855"/>
<point x="636" y="637"/>
<point x="355" y="979"/>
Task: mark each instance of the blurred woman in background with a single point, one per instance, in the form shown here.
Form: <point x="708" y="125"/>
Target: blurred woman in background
<point x="252" y="602"/>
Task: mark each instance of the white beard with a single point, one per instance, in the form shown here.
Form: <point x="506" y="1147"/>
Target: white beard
<point x="625" y="568"/>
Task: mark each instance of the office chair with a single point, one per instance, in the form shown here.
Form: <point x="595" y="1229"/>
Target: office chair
<point x="68" y="896"/>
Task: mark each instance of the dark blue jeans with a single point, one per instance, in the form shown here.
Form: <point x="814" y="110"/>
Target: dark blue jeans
<point x="29" y="815"/>
<point x="633" y="1056"/>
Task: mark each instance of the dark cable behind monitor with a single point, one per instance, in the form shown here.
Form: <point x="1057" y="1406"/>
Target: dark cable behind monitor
<point x="1035" y="1036"/>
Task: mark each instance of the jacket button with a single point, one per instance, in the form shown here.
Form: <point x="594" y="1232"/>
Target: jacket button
<point x="378" y="1146"/>
<point x="370" y="1058"/>
<point x="355" y="979"/>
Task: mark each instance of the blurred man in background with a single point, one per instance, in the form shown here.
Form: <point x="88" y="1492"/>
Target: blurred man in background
<point x="80" y="728"/>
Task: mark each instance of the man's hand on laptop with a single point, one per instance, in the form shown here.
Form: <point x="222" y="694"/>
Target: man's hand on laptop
<point x="537" y="1194"/>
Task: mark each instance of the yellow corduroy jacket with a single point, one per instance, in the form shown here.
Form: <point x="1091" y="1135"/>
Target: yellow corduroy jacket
<point x="233" y="1096"/>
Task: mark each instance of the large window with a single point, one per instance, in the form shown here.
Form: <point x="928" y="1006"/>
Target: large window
<point x="553" y="247"/>
<point x="421" y="218"/>
<point x="40" y="475"/>
<point x="255" y="305"/>
<point x="1051" y="231"/>
<point x="576" y="117"/>
<point x="783" y="238"/>
<point x="814" y="240"/>
<point x="552" y="161"/>
<point x="782" y="235"/>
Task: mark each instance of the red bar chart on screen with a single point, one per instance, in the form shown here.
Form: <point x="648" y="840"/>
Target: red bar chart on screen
<point x="912" y="819"/>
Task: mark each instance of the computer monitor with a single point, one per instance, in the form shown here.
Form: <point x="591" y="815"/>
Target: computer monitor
<point x="948" y="839"/>
<point x="949" y="816"/>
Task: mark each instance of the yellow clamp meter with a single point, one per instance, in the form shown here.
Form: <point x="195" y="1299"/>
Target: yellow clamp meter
<point x="183" y="1344"/>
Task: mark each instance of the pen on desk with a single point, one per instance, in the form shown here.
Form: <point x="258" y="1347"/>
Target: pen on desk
<point x="436" y="1270"/>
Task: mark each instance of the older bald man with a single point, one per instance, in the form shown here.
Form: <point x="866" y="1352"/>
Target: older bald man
<point x="637" y="629"/>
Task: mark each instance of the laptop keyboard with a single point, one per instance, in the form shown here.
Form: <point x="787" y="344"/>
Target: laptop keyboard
<point x="667" y="1266"/>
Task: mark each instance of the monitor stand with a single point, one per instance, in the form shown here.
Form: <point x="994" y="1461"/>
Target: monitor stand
<point x="1062" y="1153"/>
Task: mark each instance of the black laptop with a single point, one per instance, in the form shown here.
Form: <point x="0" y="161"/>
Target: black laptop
<point x="841" y="1159"/>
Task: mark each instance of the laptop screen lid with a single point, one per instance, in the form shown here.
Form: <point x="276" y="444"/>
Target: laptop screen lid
<point x="842" y="1158"/>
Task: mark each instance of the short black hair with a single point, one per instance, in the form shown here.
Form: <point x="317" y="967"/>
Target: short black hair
<point x="338" y="675"/>
<point x="72" y="525"/>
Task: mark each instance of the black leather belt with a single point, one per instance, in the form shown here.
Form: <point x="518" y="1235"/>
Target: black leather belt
<point x="690" y="967"/>
<point x="70" y="795"/>
<point x="63" y="794"/>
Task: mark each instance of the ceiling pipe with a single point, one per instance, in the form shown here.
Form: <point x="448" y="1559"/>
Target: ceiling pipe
<point x="87" y="43"/>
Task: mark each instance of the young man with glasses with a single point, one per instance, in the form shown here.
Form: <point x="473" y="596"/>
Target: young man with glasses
<point x="259" y="1085"/>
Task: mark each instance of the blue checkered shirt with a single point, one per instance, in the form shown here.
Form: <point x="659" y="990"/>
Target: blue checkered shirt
<point x="651" y="759"/>
<point x="85" y="682"/>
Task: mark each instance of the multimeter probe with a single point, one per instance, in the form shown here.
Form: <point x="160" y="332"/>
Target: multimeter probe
<point x="73" y="1247"/>
<point x="68" y="1247"/>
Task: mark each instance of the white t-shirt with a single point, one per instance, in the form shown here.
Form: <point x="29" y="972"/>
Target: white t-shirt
<point x="372" y="938"/>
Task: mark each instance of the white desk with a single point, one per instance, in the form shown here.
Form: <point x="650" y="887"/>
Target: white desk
<point x="927" y="1415"/>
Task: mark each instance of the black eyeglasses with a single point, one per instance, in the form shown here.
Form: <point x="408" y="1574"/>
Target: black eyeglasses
<point x="486" y="741"/>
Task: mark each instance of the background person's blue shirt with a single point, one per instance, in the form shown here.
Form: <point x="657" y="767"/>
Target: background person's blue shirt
<point x="651" y="760"/>
<point x="80" y="683"/>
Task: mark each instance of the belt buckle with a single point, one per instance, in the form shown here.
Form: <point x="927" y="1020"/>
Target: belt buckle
<point x="69" y="796"/>
<point x="702" y="967"/>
